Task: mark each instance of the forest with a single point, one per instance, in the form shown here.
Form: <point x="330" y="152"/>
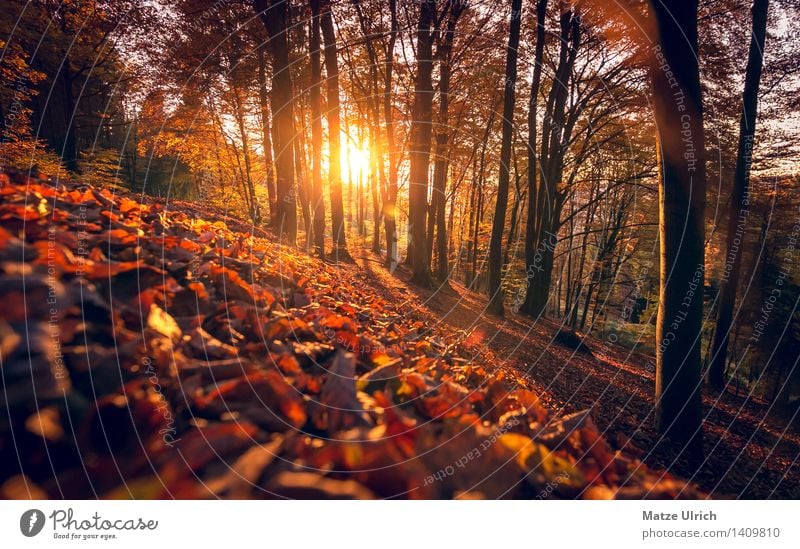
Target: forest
<point x="400" y="248"/>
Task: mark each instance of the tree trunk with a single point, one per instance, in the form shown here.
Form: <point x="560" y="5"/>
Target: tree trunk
<point x="473" y="279"/>
<point x="69" y="149"/>
<point x="519" y="198"/>
<point x="301" y="169"/>
<point x="549" y="199"/>
<point x="420" y="144"/>
<point x="377" y="173"/>
<point x="472" y="206"/>
<point x="390" y="208"/>
<point x="275" y="14"/>
<point x="317" y="200"/>
<point x="679" y="117"/>
<point x="269" y="163"/>
<point x="248" y="170"/>
<point x="494" y="289"/>
<point x="740" y="197"/>
<point x="533" y="171"/>
<point x="438" y="197"/>
<point x="334" y="130"/>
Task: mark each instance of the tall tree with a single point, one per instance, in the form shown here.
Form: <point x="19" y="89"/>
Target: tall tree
<point x="390" y="207"/>
<point x="266" y="134"/>
<point x="275" y="16"/>
<point x="678" y="109"/>
<point x="238" y="96"/>
<point x="533" y="172"/>
<point x="318" y="204"/>
<point x="442" y="161"/>
<point x="420" y="143"/>
<point x="740" y="197"/>
<point x="556" y="135"/>
<point x="334" y="131"/>
<point x="372" y="90"/>
<point x="498" y="223"/>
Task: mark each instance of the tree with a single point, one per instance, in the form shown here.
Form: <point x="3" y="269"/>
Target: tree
<point x="75" y="45"/>
<point x="234" y="71"/>
<point x="439" y="198"/>
<point x="498" y="223"/>
<point x="370" y="97"/>
<point x="533" y="173"/>
<point x="266" y="135"/>
<point x="334" y="129"/>
<point x="420" y="144"/>
<point x="316" y="129"/>
<point x="18" y="147"/>
<point x="739" y="203"/>
<point x="678" y="109"/>
<point x="275" y="17"/>
<point x="390" y="206"/>
<point x="556" y="136"/>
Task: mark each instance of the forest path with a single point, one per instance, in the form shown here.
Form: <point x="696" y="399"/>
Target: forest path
<point x="747" y="450"/>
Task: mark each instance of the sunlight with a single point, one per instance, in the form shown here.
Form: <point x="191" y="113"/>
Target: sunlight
<point x="355" y="160"/>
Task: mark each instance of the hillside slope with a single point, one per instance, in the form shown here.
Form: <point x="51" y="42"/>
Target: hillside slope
<point x="750" y="451"/>
<point x="155" y="350"/>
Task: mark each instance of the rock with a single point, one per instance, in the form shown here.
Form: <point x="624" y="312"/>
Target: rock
<point x="572" y="340"/>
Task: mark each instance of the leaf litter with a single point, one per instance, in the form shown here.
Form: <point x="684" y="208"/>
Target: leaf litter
<point x="155" y="352"/>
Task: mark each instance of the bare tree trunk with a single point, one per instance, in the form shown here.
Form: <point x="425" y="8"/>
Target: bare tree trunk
<point x="472" y="206"/>
<point x="740" y="197"/>
<point x="334" y="130"/>
<point x="248" y="179"/>
<point x="318" y="202"/>
<point x="420" y="144"/>
<point x="269" y="163"/>
<point x="275" y="14"/>
<point x="494" y="289"/>
<point x="390" y="208"/>
<point x="441" y="163"/>
<point x="479" y="186"/>
<point x="69" y="149"/>
<point x="533" y="171"/>
<point x="519" y="198"/>
<point x="570" y="254"/>
<point x="301" y="168"/>
<point x="549" y="199"/>
<point x="379" y="185"/>
<point x="679" y="117"/>
<point x="478" y="218"/>
<point x="377" y="172"/>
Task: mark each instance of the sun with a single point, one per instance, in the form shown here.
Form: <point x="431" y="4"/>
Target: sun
<point x="355" y="158"/>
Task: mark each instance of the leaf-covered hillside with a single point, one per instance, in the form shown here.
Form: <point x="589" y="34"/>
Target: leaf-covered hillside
<point x="154" y="349"/>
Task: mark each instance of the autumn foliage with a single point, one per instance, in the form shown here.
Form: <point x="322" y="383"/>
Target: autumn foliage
<point x="154" y="349"/>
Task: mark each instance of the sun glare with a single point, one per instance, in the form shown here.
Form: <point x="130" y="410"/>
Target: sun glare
<point x="355" y="161"/>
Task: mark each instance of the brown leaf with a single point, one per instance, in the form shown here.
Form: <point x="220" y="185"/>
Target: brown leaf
<point x="265" y="397"/>
<point x="202" y="446"/>
<point x="239" y="481"/>
<point x="160" y="321"/>
<point x="341" y="407"/>
<point x="291" y="485"/>
<point x="205" y="345"/>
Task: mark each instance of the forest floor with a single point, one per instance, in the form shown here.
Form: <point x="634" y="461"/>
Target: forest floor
<point x="749" y="452"/>
<point x="167" y="349"/>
